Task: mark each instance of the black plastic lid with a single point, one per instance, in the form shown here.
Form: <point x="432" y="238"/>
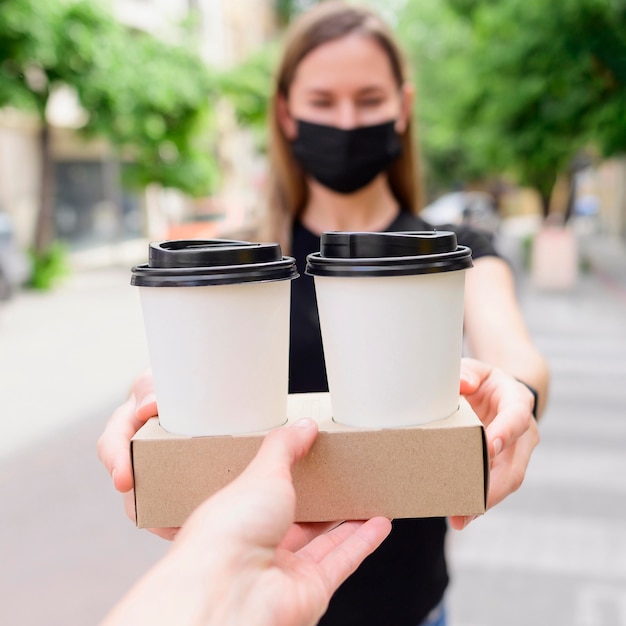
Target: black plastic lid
<point x="200" y="262"/>
<point x="388" y="254"/>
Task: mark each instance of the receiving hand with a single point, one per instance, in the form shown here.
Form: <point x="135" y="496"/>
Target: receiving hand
<point x="239" y="559"/>
<point x="504" y="405"/>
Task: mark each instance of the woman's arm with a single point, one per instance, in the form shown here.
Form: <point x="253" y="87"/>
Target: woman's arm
<point x="497" y="337"/>
<point x="495" y="330"/>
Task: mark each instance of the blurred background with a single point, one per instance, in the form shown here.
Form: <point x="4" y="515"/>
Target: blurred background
<point x="125" y="121"/>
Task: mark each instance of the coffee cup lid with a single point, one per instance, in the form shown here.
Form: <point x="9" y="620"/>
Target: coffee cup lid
<point x="199" y="262"/>
<point x="388" y="254"/>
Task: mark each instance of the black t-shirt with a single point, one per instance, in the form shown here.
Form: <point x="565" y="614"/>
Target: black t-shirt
<point x="406" y="577"/>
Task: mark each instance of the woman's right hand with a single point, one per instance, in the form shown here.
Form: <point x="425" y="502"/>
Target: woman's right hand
<point x="114" y="443"/>
<point x="114" y="452"/>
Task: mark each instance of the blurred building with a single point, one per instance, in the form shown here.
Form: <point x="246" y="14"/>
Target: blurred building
<point x="91" y="206"/>
<point x="226" y="33"/>
<point x="227" y="30"/>
<point x="19" y="171"/>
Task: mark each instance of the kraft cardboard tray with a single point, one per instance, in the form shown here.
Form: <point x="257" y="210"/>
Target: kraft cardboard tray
<point x="432" y="470"/>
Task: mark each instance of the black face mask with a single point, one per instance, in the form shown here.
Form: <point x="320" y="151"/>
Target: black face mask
<point x="346" y="160"/>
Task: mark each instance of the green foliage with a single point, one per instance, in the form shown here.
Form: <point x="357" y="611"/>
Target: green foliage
<point x="516" y="86"/>
<point x="603" y="23"/>
<point x="286" y="10"/>
<point x="437" y="43"/>
<point x="248" y="87"/>
<point x="534" y="91"/>
<point x="150" y="99"/>
<point x="48" y="267"/>
<point x="29" y="52"/>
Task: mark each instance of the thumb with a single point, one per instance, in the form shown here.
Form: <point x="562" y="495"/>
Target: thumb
<point x="283" y="447"/>
<point x="143" y="390"/>
<point x="473" y="372"/>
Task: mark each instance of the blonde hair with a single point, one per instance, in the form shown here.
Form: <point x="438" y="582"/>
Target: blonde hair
<point x="287" y="188"/>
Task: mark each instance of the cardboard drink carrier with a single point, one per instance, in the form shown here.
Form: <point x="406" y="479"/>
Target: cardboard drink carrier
<point x="380" y="450"/>
<point x="431" y="470"/>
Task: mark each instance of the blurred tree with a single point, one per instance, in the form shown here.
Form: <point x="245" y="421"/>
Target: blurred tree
<point x="248" y="87"/>
<point x="28" y="60"/>
<point x="518" y="86"/>
<point x="286" y="10"/>
<point x="536" y="85"/>
<point x="437" y="42"/>
<point x="148" y="98"/>
<point x="600" y="29"/>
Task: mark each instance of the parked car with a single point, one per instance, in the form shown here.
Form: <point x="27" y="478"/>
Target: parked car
<point x="474" y="208"/>
<point x="14" y="265"/>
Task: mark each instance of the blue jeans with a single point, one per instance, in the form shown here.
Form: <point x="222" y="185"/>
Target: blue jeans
<point x="437" y="617"/>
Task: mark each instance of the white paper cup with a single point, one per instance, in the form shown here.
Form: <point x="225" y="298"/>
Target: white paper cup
<point x="392" y="325"/>
<point x="217" y="334"/>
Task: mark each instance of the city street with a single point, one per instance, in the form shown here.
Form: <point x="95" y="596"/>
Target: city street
<point x="552" y="554"/>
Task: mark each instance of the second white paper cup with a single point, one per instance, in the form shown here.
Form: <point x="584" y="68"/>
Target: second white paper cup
<point x="392" y="328"/>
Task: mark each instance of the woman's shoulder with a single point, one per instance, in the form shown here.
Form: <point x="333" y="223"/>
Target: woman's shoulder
<point x="405" y="220"/>
<point x="480" y="243"/>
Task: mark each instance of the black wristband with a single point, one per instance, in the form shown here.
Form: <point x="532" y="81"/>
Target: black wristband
<point x="535" y="396"/>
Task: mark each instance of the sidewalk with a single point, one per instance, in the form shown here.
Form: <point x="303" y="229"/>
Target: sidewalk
<point x="67" y="354"/>
<point x="555" y="552"/>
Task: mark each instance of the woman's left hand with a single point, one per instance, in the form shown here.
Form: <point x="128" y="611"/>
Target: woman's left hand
<point x="505" y="407"/>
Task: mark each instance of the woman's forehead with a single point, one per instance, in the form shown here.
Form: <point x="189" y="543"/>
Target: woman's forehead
<point x="355" y="62"/>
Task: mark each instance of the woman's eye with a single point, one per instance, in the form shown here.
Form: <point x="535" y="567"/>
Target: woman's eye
<point x="370" y="102"/>
<point x="321" y="104"/>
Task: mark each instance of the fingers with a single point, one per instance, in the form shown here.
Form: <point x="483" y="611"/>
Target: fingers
<point x="504" y="406"/>
<point x="114" y="443"/>
<point x="459" y="522"/>
<point x="509" y="468"/>
<point x="168" y="534"/>
<point x="512" y="420"/>
<point x="143" y="390"/>
<point x="511" y="423"/>
<point x="128" y="498"/>
<point x="502" y="403"/>
<point x="340" y="551"/>
<point x="258" y="507"/>
<point x="473" y="373"/>
<point x="282" y="448"/>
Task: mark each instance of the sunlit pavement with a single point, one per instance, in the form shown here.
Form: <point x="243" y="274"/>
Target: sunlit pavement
<point x="66" y="360"/>
<point x="553" y="553"/>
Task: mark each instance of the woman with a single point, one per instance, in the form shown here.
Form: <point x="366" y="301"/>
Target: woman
<point x="342" y="158"/>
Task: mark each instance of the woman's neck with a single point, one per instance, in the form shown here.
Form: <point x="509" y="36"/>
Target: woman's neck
<point x="372" y="208"/>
